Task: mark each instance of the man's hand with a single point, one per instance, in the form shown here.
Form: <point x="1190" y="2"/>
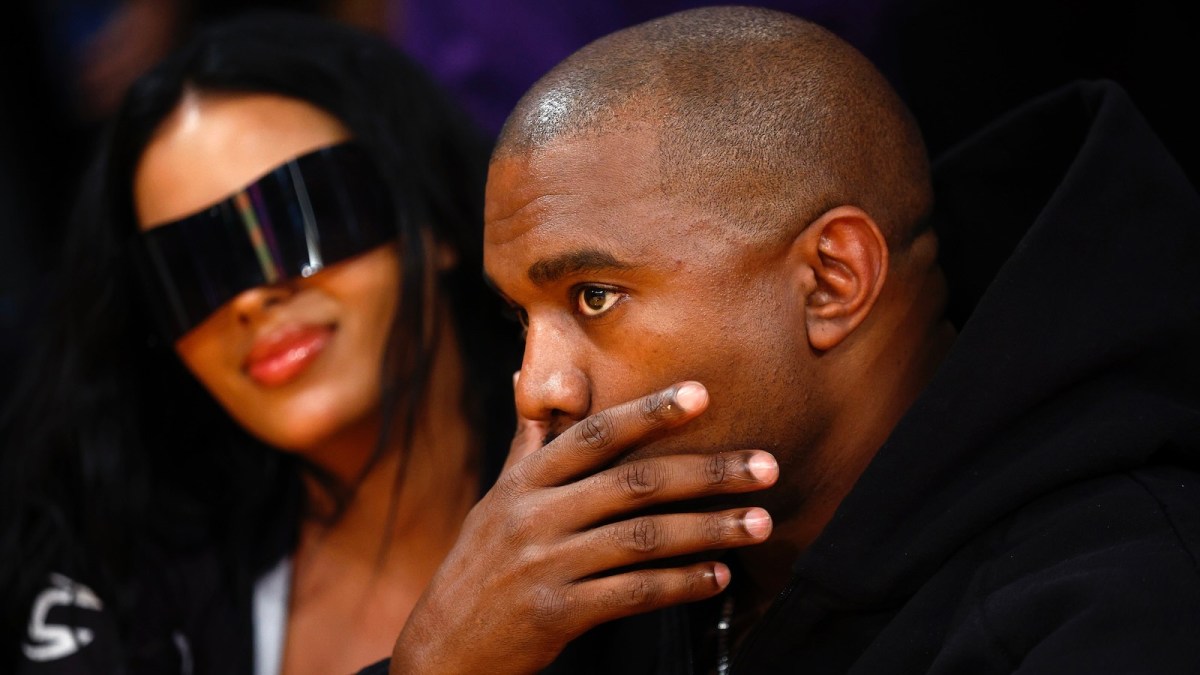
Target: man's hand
<point x="553" y="548"/>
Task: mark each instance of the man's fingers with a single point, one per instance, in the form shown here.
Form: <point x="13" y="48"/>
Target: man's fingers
<point x="622" y="595"/>
<point x="646" y="538"/>
<point x="669" y="478"/>
<point x="600" y="438"/>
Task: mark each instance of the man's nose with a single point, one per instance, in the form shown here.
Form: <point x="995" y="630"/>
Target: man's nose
<point x="553" y="384"/>
<point x="250" y="306"/>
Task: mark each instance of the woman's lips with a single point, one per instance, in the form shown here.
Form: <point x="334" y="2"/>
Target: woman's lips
<point x="280" y="356"/>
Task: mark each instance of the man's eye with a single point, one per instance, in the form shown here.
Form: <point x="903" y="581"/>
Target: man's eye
<point x="594" y="300"/>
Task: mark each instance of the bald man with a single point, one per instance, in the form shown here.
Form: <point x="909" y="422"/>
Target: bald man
<point x="977" y="425"/>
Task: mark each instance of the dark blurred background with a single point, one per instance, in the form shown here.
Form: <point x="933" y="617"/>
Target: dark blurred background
<point x="66" y="64"/>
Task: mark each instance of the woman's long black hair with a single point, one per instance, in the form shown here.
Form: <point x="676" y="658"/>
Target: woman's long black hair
<point x="110" y="443"/>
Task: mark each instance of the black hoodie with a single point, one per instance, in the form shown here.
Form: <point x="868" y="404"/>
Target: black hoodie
<point x="1038" y="507"/>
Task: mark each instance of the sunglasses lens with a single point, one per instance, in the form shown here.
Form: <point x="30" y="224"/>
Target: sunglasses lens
<point x="306" y="214"/>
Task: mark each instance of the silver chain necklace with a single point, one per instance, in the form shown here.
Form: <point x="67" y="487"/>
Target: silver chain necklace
<point x="724" y="625"/>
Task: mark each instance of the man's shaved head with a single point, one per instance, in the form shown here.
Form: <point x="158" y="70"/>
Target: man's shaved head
<point x="764" y="118"/>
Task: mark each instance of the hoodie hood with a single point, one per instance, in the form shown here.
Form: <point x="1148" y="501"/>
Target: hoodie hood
<point x="1071" y="244"/>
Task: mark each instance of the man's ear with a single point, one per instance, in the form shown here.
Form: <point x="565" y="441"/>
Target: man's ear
<point x="848" y="256"/>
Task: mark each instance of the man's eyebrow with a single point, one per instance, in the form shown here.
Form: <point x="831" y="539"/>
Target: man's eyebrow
<point x="549" y="270"/>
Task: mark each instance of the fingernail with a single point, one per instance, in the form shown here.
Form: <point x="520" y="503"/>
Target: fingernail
<point x="690" y="396"/>
<point x="516" y="378"/>
<point x="757" y="523"/>
<point x="721" y="575"/>
<point x="763" y="466"/>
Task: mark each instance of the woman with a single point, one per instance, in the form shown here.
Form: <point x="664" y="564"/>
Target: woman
<point x="267" y="398"/>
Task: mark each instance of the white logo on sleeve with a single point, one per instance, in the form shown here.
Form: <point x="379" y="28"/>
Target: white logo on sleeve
<point x="48" y="641"/>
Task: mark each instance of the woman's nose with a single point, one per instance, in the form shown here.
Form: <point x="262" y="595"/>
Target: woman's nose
<point x="250" y="306"/>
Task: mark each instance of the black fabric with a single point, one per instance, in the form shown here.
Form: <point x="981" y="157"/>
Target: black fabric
<point x="188" y="619"/>
<point x="1038" y="508"/>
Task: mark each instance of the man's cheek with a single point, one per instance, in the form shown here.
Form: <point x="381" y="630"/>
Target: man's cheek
<point x="616" y="382"/>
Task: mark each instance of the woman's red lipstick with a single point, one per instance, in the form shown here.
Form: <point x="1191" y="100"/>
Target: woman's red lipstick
<point x="282" y="355"/>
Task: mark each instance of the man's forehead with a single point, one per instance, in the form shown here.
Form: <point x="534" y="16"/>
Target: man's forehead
<point x="583" y="164"/>
<point x="587" y="188"/>
<point x="580" y="199"/>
